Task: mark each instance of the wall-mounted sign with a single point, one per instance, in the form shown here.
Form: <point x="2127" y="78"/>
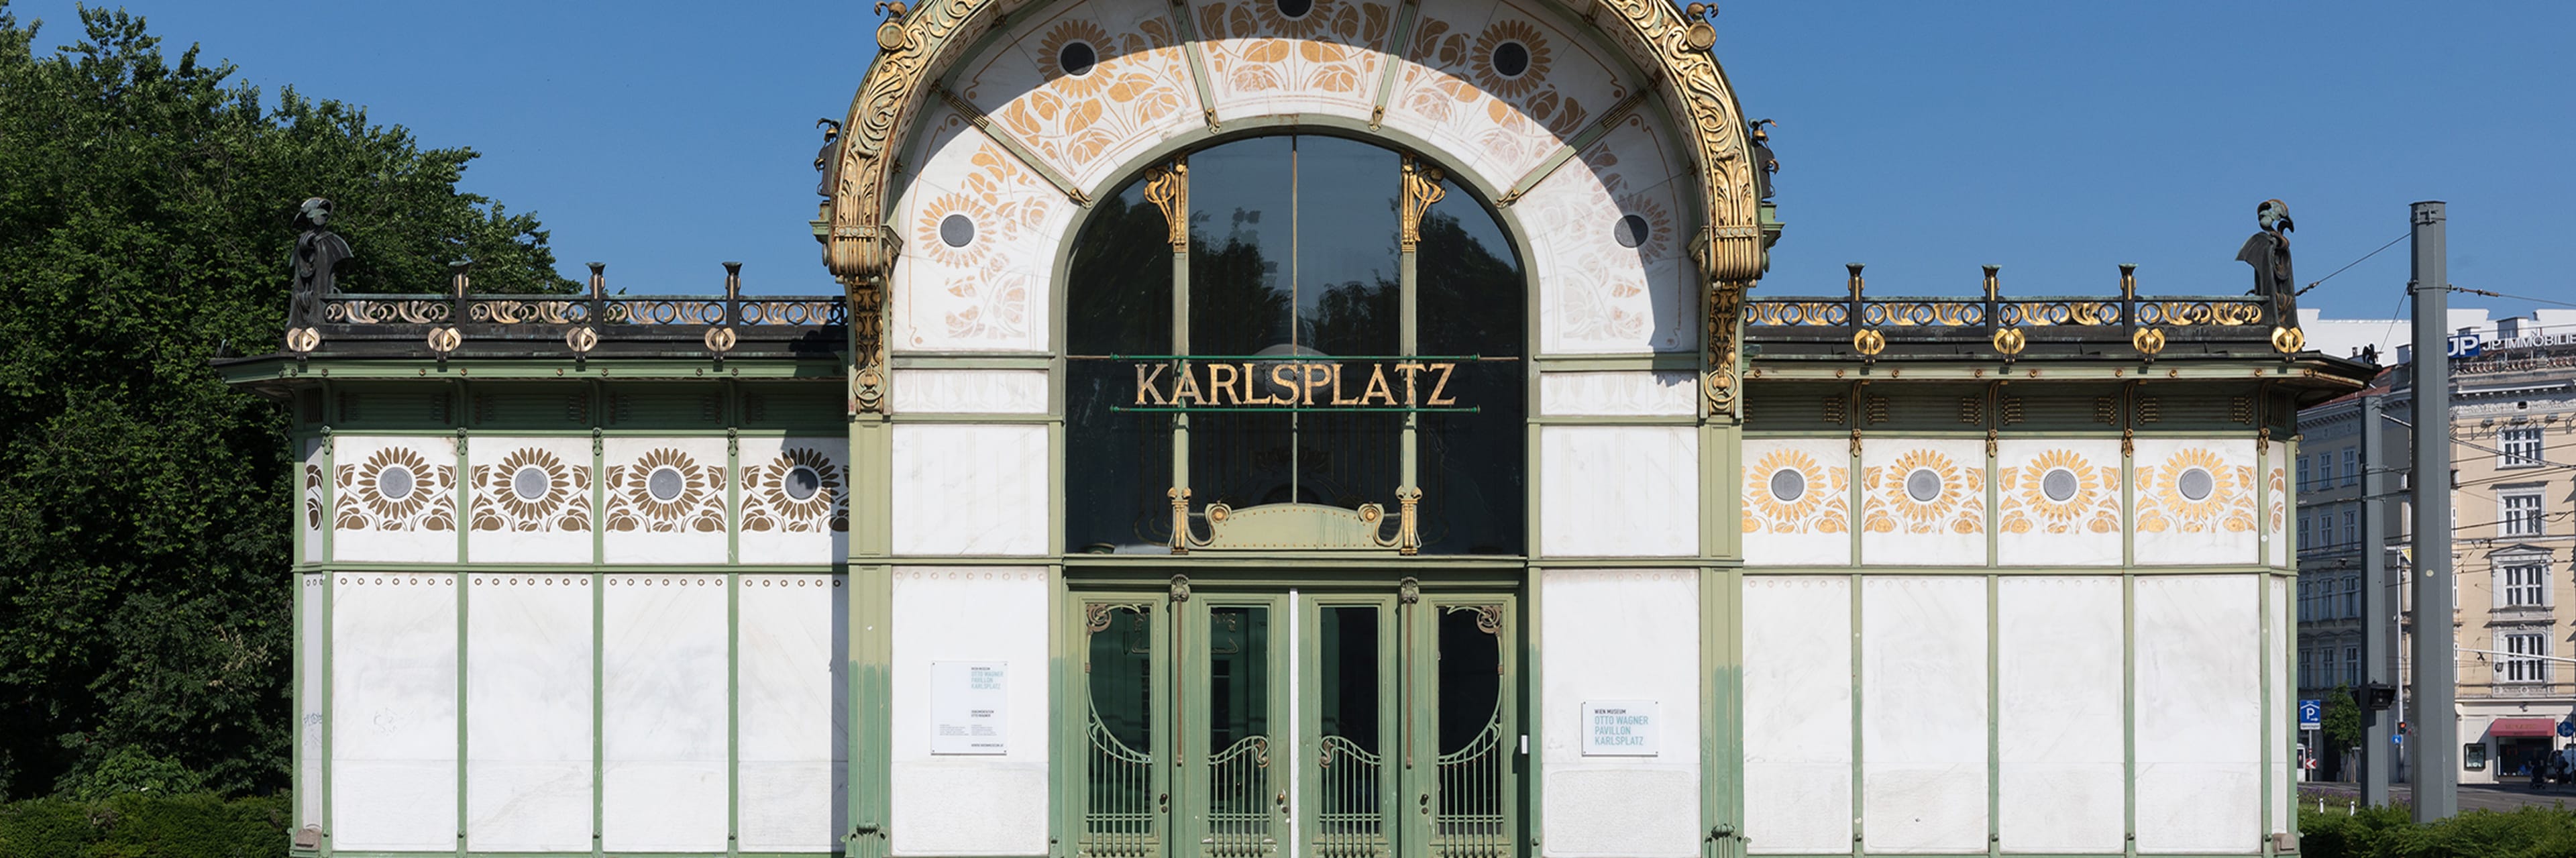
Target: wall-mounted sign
<point x="967" y="711"/>
<point x="1349" y="384"/>
<point x="1620" y="728"/>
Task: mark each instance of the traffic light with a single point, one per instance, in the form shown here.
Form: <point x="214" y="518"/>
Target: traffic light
<point x="2375" y="696"/>
<point x="2401" y="728"/>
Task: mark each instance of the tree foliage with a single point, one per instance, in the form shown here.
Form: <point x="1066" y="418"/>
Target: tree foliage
<point x="146" y="219"/>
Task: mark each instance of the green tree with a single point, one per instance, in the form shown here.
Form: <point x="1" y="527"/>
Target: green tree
<point x="2341" y="725"/>
<point x="145" y="221"/>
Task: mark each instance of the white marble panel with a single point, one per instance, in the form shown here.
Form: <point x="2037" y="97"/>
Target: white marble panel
<point x="970" y="391"/>
<point x="2058" y="675"/>
<point x="970" y="489"/>
<point x="1451" y="96"/>
<point x="2217" y="526"/>
<point x="394" y="499"/>
<point x="990" y="292"/>
<point x="313" y="496"/>
<point x="2058" y="502"/>
<point x="2285" y="752"/>
<point x="979" y="805"/>
<point x="1620" y="393"/>
<point x="795" y="499"/>
<point x="527" y="710"/>
<point x="1797" y="714"/>
<point x="1262" y="63"/>
<point x="1089" y="125"/>
<point x="1596" y="622"/>
<point x="529" y="500"/>
<point x="1923" y="502"/>
<point x="795" y="734"/>
<point x="666" y="500"/>
<point x="2199" y="714"/>
<point x="2277" y="501"/>
<point x="312" y="687"/>
<point x="1596" y="293"/>
<point x="1797" y="502"/>
<point x="1619" y="491"/>
<point x="1923" y="714"/>
<point x="664" y="713"/>
<point x="393" y="703"/>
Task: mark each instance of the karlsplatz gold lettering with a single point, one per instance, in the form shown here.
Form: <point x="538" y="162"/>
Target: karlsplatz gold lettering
<point x="1188" y="387"/>
<point x="1313" y="375"/>
<point x="1146" y="392"/>
<point x="1284" y="377"/>
<point x="1377" y="387"/>
<point x="1410" y="370"/>
<point x="1337" y="388"/>
<point x="1443" y="384"/>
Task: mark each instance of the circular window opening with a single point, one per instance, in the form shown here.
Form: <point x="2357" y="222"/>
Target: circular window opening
<point x="2196" y="484"/>
<point x="1787" y="485"/>
<point x="1923" y="485"/>
<point x="2058" y="484"/>
<point x="802" y="482"/>
<point x="1511" y="59"/>
<point x="1632" y="231"/>
<point x="1295" y="9"/>
<point x="395" y="482"/>
<point x="1077" y="58"/>
<point x="665" y="483"/>
<point x="957" y="230"/>
<point x="530" y="483"/>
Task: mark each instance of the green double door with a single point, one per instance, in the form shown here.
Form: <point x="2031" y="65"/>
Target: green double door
<point x="1273" y="723"/>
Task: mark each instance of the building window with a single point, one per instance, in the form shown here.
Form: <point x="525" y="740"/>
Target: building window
<point x="2517" y="669"/>
<point x="2352" y="665"/>
<point x="2521" y="447"/>
<point x="2307" y="473"/>
<point x="2351" y="527"/>
<point x="2521" y="512"/>
<point x="2526" y="584"/>
<point x="2352" y="597"/>
<point x="2351" y="466"/>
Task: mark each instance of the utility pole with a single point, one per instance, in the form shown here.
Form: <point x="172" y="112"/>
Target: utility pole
<point x="2378" y="618"/>
<point x="2437" y="724"/>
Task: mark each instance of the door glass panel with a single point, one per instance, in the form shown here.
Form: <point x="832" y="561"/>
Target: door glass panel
<point x="1469" y="816"/>
<point x="1350" y="814"/>
<point x="1122" y="803"/>
<point x="1240" y="805"/>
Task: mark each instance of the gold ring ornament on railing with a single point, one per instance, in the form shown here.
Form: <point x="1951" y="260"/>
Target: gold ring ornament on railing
<point x="582" y="339"/>
<point x="720" y="340"/>
<point x="2288" y="341"/>
<point x="1869" y="342"/>
<point x="301" y="340"/>
<point x="444" y="340"/>
<point x="2010" y="341"/>
<point x="2148" y="341"/>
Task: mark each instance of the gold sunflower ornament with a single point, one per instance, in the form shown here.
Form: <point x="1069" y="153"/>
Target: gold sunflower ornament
<point x="665" y="491"/>
<point x="799" y="491"/>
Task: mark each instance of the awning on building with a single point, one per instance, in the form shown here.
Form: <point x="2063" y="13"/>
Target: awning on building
<point x="2510" y="728"/>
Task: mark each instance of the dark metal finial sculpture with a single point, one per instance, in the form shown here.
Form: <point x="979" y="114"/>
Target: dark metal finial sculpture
<point x="826" y="163"/>
<point x="2269" y="252"/>
<point x="318" y="252"/>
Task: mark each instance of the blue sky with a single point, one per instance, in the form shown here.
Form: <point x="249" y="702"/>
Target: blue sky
<point x="1924" y="139"/>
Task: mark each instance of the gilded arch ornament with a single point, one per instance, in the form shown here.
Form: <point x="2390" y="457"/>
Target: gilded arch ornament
<point x="1668" y="45"/>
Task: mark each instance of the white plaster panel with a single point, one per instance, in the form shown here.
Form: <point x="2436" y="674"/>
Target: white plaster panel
<point x="394" y="499"/>
<point x="527" y="711"/>
<point x="1597" y="623"/>
<point x="1803" y="518"/>
<point x="970" y="489"/>
<point x="1596" y="294"/>
<point x="777" y="525"/>
<point x="990" y="293"/>
<point x="643" y="527"/>
<point x="1621" y="393"/>
<point x="970" y="391"/>
<point x="2036" y="528"/>
<point x="795" y="735"/>
<point x="2285" y="752"/>
<point x="1261" y="62"/>
<point x="2199" y="714"/>
<point x="312" y="639"/>
<point x="1923" y="714"/>
<point x="2175" y="528"/>
<point x="1797" y="714"/>
<point x="664" y="713"/>
<point x="314" y="495"/>
<point x="1945" y="528"/>
<point x="979" y="805"/>
<point x="1449" y="94"/>
<point x="551" y="526"/>
<point x="1619" y="491"/>
<point x="2277" y="500"/>
<point x="1086" y="126"/>
<point x="393" y="703"/>
<point x="2058" y="678"/>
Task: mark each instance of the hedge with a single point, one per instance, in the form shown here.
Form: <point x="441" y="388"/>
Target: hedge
<point x="142" y="825"/>
<point x="2390" y="832"/>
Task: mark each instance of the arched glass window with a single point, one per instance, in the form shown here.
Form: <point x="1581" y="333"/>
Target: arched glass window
<point x="1292" y="356"/>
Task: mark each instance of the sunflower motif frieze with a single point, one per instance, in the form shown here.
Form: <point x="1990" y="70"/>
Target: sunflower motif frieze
<point x="801" y="490"/>
<point x="1788" y="491"/>
<point x="2059" y="491"/>
<point x="531" y="490"/>
<point x="1925" y="491"/>
<point x="396" y="488"/>
<point x="666" y="490"/>
<point x="2196" y="490"/>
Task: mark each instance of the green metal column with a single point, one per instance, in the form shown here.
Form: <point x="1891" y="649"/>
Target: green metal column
<point x="871" y="613"/>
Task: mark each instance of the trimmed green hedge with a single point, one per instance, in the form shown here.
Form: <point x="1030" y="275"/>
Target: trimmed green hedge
<point x="141" y="825"/>
<point x="2390" y="832"/>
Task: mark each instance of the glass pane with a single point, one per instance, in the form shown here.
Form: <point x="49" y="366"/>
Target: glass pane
<point x="1119" y="301"/>
<point x="1120" y="800"/>
<point x="1238" y="729"/>
<point x="1242" y="228"/>
<point x="1350" y="767"/>
<point x="1472" y="301"/>
<point x="1469" y="817"/>
<point x="1345" y="275"/>
<point x="1118" y="297"/>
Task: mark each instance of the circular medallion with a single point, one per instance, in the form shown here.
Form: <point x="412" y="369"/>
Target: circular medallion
<point x="1787" y="485"/>
<point x="2058" y="484"/>
<point x="957" y="230"/>
<point x="1631" y="231"/>
<point x="1511" y="59"/>
<point x="1076" y="59"/>
<point x="395" y="482"/>
<point x="665" y="483"/>
<point x="802" y="482"/>
<point x="1923" y="485"/>
<point x="530" y="483"/>
<point x="1295" y="9"/>
<point x="2195" y="484"/>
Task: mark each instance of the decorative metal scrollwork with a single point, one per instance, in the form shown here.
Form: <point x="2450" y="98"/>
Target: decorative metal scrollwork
<point x="1922" y="313"/>
<point x="1797" y="313"/>
<point x="2148" y="341"/>
<point x="515" y="312"/>
<point x="1869" y="342"/>
<point x="2288" y="341"/>
<point x="386" y="311"/>
<point x="301" y="340"/>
